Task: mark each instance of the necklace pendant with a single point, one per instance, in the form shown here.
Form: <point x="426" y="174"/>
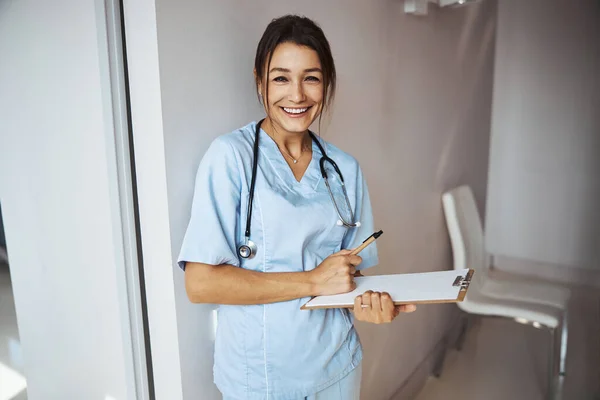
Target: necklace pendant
<point x="295" y="161"/>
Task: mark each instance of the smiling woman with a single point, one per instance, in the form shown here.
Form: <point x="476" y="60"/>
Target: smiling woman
<point x="294" y="62"/>
<point x="265" y="346"/>
<point x="294" y="90"/>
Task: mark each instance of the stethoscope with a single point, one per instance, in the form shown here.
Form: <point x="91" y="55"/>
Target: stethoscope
<point x="248" y="248"/>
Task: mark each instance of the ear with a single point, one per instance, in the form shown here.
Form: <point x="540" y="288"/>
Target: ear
<point x="258" y="85"/>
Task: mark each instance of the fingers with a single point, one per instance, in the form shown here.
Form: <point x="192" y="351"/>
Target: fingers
<point x="343" y="252"/>
<point x="406" y="308"/>
<point x="358" y="304"/>
<point x="368" y="307"/>
<point x="378" y="307"/>
<point x="352" y="286"/>
<point x="366" y="299"/>
<point x="354" y="259"/>
<point x="376" y="302"/>
<point x="350" y="261"/>
<point x="382" y="302"/>
<point x="387" y="305"/>
<point x="343" y="257"/>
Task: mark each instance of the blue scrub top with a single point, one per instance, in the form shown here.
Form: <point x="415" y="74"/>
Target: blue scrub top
<point x="276" y="351"/>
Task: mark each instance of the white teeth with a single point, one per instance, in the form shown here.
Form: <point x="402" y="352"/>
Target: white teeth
<point x="295" y="110"/>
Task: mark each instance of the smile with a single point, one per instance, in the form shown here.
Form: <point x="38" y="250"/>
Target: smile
<point x="295" y="111"/>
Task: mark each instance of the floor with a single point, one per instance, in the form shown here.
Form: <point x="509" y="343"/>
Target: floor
<point x="502" y="359"/>
<point x="12" y="379"/>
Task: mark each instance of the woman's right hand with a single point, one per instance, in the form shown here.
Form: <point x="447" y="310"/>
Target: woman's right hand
<point x="335" y="274"/>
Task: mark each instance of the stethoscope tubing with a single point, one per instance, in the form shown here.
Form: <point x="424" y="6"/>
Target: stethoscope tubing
<point x="248" y="249"/>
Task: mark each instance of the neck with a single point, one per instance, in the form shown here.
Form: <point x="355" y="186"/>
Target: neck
<point x="293" y="142"/>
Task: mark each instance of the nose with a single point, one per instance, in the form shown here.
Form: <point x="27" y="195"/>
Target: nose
<point x="297" y="95"/>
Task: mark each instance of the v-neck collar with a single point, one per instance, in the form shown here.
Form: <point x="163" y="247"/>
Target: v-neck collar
<point x="269" y="150"/>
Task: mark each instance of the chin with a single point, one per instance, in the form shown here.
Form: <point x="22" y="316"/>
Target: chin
<point x="295" y="125"/>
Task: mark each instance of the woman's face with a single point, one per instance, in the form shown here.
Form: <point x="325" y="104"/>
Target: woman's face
<point x="295" y="88"/>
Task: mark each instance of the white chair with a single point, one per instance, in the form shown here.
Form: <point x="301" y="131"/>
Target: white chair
<point x="526" y="301"/>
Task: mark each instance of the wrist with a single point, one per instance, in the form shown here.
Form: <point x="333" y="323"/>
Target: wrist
<point x="313" y="286"/>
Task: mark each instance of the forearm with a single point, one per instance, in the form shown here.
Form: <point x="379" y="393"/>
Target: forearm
<point x="227" y="284"/>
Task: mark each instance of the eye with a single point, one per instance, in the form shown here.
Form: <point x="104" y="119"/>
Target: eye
<point x="280" y="79"/>
<point x="313" y="79"/>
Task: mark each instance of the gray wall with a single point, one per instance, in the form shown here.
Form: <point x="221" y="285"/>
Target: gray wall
<point x="545" y="149"/>
<point x="413" y="106"/>
<point x="59" y="203"/>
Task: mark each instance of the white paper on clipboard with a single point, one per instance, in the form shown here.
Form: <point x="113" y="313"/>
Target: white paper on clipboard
<point x="418" y="288"/>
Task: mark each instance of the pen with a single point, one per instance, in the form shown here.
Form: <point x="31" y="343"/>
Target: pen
<point x="366" y="242"/>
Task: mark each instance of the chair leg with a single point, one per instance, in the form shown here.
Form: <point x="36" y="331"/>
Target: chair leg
<point x="563" y="344"/>
<point x="551" y="378"/>
<point x="439" y="363"/>
<point x="557" y="379"/>
<point x="562" y="370"/>
<point x="460" y="339"/>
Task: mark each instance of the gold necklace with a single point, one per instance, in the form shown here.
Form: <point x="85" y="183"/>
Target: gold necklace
<point x="294" y="160"/>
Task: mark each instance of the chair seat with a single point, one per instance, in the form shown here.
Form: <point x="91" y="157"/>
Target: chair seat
<point x="528" y="291"/>
<point x="483" y="305"/>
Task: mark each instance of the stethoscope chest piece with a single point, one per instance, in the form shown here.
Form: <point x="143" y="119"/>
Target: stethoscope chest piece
<point x="247" y="249"/>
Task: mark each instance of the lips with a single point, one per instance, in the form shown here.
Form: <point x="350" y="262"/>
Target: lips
<point x="295" y="111"/>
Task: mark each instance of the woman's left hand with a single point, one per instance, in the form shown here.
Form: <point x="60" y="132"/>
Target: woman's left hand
<point x="378" y="308"/>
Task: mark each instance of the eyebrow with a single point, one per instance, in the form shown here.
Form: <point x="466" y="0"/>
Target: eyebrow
<point x="279" y="69"/>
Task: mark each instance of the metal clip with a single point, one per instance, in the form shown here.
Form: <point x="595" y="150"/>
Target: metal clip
<point x="462" y="281"/>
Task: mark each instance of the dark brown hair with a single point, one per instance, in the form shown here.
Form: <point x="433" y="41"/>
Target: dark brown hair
<point x="303" y="32"/>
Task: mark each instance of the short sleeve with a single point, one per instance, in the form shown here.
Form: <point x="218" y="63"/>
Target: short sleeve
<point x="364" y="214"/>
<point x="211" y="232"/>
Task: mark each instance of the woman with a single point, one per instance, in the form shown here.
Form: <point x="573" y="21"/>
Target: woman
<point x="261" y="247"/>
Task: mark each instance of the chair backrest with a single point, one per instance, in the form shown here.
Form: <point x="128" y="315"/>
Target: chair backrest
<point x="466" y="234"/>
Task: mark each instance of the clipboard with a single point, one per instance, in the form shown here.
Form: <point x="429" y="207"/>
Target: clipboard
<point x="417" y="288"/>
